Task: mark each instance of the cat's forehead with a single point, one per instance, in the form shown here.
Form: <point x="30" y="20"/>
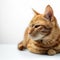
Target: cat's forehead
<point x="39" y="19"/>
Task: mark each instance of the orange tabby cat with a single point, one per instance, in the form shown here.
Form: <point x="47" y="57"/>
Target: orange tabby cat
<point x="43" y="34"/>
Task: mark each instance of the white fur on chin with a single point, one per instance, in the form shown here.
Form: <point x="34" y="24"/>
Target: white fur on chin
<point x="38" y="37"/>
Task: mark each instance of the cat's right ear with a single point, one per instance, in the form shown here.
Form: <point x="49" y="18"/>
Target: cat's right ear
<point x="35" y="12"/>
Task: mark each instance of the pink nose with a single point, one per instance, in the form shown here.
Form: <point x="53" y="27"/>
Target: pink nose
<point x="30" y="30"/>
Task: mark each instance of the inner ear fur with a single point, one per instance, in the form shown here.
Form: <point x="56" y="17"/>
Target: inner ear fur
<point x="48" y="12"/>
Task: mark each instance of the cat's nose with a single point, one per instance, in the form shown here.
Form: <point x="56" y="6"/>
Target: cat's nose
<point x="30" y="30"/>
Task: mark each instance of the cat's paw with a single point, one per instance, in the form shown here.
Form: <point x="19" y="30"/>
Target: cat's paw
<point x="51" y="52"/>
<point x="20" y="46"/>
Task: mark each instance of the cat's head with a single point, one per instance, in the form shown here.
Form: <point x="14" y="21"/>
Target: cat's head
<point x="42" y="24"/>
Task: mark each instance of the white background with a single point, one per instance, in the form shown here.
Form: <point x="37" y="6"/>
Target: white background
<point x="15" y="16"/>
<point x="10" y="52"/>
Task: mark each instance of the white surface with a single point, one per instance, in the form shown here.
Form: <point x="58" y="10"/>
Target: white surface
<point x="10" y="52"/>
<point x="16" y="14"/>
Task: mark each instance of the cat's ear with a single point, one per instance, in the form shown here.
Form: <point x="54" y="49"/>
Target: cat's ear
<point x="35" y="12"/>
<point x="48" y="12"/>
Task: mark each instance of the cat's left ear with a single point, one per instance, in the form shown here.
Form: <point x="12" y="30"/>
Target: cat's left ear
<point x="36" y="13"/>
<point x="48" y="12"/>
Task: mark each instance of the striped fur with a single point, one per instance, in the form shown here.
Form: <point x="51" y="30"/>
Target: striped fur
<point x="42" y="36"/>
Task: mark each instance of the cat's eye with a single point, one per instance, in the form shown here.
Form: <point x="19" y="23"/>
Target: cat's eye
<point x="36" y="26"/>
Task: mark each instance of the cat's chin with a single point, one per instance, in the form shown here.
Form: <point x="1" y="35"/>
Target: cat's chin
<point x="38" y="37"/>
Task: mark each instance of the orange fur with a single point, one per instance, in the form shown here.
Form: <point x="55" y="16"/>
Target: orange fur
<point x="43" y="34"/>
